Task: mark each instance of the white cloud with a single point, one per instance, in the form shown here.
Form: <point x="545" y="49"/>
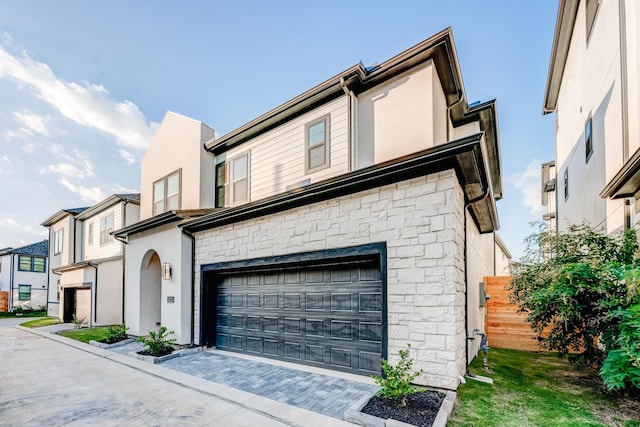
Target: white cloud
<point x="13" y="224"/>
<point x="527" y="183"/>
<point x="6" y="159"/>
<point x="34" y="122"/>
<point x="84" y="103"/>
<point x="91" y="195"/>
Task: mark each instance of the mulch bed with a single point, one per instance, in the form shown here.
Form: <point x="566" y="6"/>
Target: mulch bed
<point x="421" y="410"/>
<point x="148" y="353"/>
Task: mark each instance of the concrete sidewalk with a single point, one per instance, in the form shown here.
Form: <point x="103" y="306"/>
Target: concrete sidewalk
<point x="52" y="380"/>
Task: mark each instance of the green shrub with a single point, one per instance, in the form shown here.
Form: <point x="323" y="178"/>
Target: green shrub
<point x="116" y="333"/>
<point x="396" y="380"/>
<point x="621" y="368"/>
<point x="158" y="343"/>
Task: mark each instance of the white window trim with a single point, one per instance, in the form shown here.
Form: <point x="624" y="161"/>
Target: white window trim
<point x="231" y="179"/>
<point x="58" y="242"/>
<point x="108" y="238"/>
<point x="165" y="181"/>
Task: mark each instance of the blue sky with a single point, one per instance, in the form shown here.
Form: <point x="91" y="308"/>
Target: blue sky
<point x="84" y="84"/>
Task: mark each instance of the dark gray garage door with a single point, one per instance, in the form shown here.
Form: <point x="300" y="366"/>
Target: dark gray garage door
<point x="330" y="317"/>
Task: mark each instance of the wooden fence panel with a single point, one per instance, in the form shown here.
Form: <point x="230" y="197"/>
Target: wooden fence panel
<point x="505" y="326"/>
<point x="4" y="301"/>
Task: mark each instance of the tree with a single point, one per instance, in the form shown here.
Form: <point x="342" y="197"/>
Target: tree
<point x="580" y="284"/>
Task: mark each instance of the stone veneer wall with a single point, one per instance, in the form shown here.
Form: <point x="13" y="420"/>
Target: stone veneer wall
<point x="422" y="222"/>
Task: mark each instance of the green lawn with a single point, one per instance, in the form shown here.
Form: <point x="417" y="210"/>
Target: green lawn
<point x="539" y="389"/>
<point x="44" y="321"/>
<point x="86" y="334"/>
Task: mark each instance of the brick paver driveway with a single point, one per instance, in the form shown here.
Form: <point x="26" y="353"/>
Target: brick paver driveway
<point x="44" y="382"/>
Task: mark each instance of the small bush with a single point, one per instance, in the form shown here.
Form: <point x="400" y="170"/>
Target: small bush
<point x="79" y="322"/>
<point x="158" y="343"/>
<point x="396" y="382"/>
<point x="115" y="333"/>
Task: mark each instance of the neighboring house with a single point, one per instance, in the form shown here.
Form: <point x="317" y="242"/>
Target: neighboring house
<point x="177" y="183"/>
<point x="593" y="87"/>
<point x="91" y="276"/>
<point x="353" y="219"/>
<point x="23" y="275"/>
<point x="502" y="260"/>
<point x="65" y="236"/>
<point x="548" y="191"/>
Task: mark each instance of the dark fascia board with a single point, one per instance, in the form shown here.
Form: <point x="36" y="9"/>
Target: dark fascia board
<point x="567" y="11"/>
<point x="440" y="48"/>
<point x="108" y="202"/>
<point x="487" y="115"/>
<point x="626" y="183"/>
<point x="61" y="214"/>
<point x="466" y="156"/>
<point x="160" y="220"/>
<point x="82" y="264"/>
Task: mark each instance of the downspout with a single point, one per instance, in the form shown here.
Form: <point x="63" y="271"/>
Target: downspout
<point x="449" y="119"/>
<point x="352" y="106"/>
<point x="95" y="294"/>
<point x="11" y="283"/>
<point x="124" y="257"/>
<point x="622" y="16"/>
<point x="193" y="283"/>
<point x="485" y="192"/>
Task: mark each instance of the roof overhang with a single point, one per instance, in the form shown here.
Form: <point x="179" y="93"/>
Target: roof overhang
<point x="440" y="48"/>
<point x="60" y="215"/>
<point x="108" y="202"/>
<point x="160" y="220"/>
<point x="626" y="183"/>
<point x="567" y="11"/>
<point x="83" y="264"/>
<point x="467" y="156"/>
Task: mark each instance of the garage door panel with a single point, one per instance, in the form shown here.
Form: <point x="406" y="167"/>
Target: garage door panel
<point x="330" y="317"/>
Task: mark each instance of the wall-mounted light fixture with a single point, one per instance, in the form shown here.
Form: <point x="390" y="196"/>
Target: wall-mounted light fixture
<point x="166" y="271"/>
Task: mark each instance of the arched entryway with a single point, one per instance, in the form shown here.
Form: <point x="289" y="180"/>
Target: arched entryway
<point x="150" y="292"/>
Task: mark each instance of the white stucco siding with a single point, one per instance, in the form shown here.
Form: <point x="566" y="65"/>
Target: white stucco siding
<point x="401" y="116"/>
<point x="178" y="145"/>
<point x="107" y="294"/>
<point x="590" y="88"/>
<point x="95" y="250"/>
<point x="277" y="157"/>
<point x="174" y="247"/>
<point x="421" y="221"/>
<point x="5" y="272"/>
<point x="480" y="263"/>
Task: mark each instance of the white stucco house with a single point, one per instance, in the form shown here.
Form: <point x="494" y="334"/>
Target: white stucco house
<point x="593" y="89"/>
<point x="177" y="183"/>
<point x="331" y="231"/>
<point x="89" y="262"/>
<point x="23" y="275"/>
<point x="65" y="237"/>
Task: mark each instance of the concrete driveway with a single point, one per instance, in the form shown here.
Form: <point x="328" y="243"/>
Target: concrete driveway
<point x="53" y="381"/>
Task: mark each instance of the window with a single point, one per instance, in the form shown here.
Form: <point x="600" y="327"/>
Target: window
<point x="221" y="183"/>
<point x="57" y="241"/>
<point x="106" y="227"/>
<point x="316" y="153"/>
<point x="590" y="13"/>
<point x="24" y="292"/>
<point x="39" y="265"/>
<point x="90" y="233"/>
<point x="566" y="183"/>
<point x="166" y="193"/>
<point x="32" y="263"/>
<point x="240" y="179"/>
<point x="588" y="140"/>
